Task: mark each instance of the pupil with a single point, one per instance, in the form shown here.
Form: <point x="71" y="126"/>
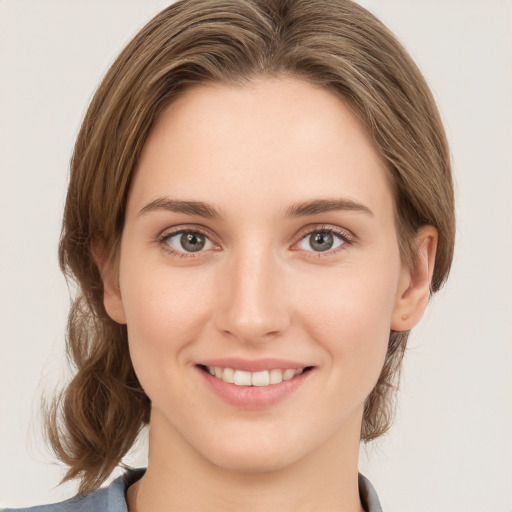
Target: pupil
<point x="321" y="241"/>
<point x="192" y="242"/>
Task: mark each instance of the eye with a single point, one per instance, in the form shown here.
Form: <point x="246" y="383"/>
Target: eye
<point x="186" y="241"/>
<point x="322" y="240"/>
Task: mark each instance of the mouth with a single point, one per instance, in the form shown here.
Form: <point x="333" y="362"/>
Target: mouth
<point x="261" y="378"/>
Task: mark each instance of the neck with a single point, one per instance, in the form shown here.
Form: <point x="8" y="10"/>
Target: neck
<point x="178" y="478"/>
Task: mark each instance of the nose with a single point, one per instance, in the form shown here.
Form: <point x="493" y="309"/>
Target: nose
<point x="252" y="306"/>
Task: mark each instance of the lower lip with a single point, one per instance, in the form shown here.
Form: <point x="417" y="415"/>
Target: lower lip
<point x="253" y="397"/>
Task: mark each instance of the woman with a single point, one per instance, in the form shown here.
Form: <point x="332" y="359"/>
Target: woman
<point x="260" y="205"/>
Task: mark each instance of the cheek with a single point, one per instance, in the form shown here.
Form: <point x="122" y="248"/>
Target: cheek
<point x="165" y="312"/>
<point x="349" y="314"/>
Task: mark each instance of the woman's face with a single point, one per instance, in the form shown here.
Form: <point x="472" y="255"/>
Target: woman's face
<point x="259" y="245"/>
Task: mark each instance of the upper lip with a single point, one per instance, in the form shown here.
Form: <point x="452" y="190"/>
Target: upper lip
<point x="252" y="365"/>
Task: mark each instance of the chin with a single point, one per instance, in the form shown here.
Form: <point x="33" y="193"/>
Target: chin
<point x="253" y="460"/>
<point x="263" y="449"/>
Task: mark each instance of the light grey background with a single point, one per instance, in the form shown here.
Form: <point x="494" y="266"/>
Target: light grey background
<point x="450" y="448"/>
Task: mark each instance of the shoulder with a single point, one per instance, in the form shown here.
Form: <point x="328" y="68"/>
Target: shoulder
<point x="368" y="495"/>
<point x="108" y="499"/>
<point x="96" y="499"/>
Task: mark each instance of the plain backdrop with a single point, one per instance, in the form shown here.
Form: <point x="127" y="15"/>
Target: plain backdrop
<point x="450" y="448"/>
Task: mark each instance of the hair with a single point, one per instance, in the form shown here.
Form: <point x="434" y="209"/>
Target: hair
<point x="335" y="44"/>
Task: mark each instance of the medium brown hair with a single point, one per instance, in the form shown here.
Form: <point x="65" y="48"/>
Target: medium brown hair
<point x="332" y="43"/>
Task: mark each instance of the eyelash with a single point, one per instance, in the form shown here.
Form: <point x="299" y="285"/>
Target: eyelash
<point x="346" y="238"/>
<point x="165" y="237"/>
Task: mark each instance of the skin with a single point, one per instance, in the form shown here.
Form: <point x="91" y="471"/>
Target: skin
<point x="259" y="289"/>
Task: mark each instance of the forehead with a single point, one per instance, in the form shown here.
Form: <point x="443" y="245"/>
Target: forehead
<point x="281" y="139"/>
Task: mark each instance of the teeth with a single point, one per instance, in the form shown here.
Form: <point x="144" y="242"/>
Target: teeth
<point x="261" y="378"/>
<point x="228" y="375"/>
<point x="242" y="378"/>
<point x="276" y="376"/>
<point x="288" y="374"/>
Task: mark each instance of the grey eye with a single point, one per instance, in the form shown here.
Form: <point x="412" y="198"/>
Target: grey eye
<point x="188" y="241"/>
<point x="321" y="241"/>
<point x="192" y="242"/>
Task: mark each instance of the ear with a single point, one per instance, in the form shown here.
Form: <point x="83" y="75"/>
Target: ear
<point x="414" y="286"/>
<point x="109" y="271"/>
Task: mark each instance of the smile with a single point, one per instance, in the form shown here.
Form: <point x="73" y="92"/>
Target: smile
<point x="253" y="384"/>
<point x="259" y="378"/>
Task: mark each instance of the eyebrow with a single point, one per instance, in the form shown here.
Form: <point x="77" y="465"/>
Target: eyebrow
<point x="207" y="211"/>
<point x="326" y="205"/>
<point x="198" y="208"/>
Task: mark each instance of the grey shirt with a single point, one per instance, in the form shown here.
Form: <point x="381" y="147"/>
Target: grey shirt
<point x="113" y="497"/>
